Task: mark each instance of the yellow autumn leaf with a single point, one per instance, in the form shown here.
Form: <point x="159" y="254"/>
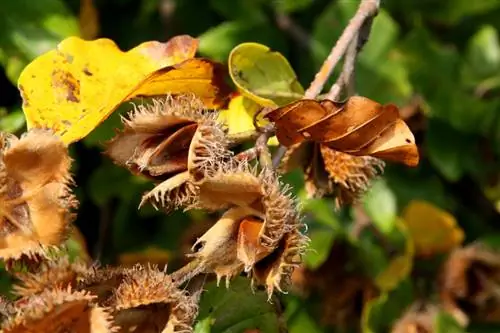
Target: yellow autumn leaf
<point x="400" y="266"/>
<point x="263" y="75"/>
<point x="238" y="117"/>
<point x="432" y="229"/>
<point x="75" y="87"/>
<point x="153" y="255"/>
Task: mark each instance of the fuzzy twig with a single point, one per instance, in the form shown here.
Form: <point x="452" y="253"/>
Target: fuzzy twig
<point x="366" y="10"/>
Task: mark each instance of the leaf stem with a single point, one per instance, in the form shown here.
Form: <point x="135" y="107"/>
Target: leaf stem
<point x="366" y="10"/>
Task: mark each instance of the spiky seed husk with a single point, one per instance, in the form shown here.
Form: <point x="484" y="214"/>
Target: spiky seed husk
<point x="260" y="233"/>
<point x="174" y="140"/>
<point x="51" y="273"/>
<point x="351" y="175"/>
<point x="328" y="171"/>
<point x="470" y="278"/>
<point x="58" y="311"/>
<point x="35" y="199"/>
<point x="148" y="300"/>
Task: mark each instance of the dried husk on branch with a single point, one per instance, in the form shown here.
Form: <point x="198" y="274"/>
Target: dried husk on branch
<point x="469" y="284"/>
<point x="35" y="198"/>
<point x="147" y="301"/>
<point x="259" y="233"/>
<point x="59" y="310"/>
<point x="175" y="142"/>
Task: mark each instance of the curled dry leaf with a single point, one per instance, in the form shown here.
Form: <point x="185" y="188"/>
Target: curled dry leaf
<point x="469" y="283"/>
<point x="36" y="202"/>
<point x="88" y="80"/>
<point x="329" y="171"/>
<point x="358" y="127"/>
<point x="148" y="301"/>
<point x="259" y="234"/>
<point x="59" y="310"/>
<point x="174" y="141"/>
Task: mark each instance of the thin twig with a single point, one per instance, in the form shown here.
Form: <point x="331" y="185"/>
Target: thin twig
<point x="367" y="9"/>
<point x="278" y="155"/>
<point x="265" y="158"/>
<point x="187" y="272"/>
<point x="247" y="155"/>
<point x="241" y="137"/>
<point x="346" y="78"/>
<point x="286" y="24"/>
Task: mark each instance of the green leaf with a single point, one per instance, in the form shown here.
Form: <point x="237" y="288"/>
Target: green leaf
<point x="452" y="11"/>
<point x="319" y="247"/>
<point x="445" y="323"/>
<point x="450" y="151"/>
<point x="263" y="75"/>
<point x="11" y="122"/>
<point x="289" y="6"/>
<point x="28" y="29"/>
<point x="237" y="309"/>
<point x="323" y="212"/>
<point x="380" y="205"/>
<point x="249" y="11"/>
<point x="217" y="42"/>
<point x="483" y="52"/>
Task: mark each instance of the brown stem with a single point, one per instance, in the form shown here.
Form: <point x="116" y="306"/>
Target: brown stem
<point x="247" y="155"/>
<point x="346" y="78"/>
<point x="188" y="271"/>
<point x="367" y="9"/>
<point x="265" y="158"/>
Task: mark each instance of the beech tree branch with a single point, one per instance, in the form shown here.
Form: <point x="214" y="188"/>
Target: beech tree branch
<point x="367" y="9"/>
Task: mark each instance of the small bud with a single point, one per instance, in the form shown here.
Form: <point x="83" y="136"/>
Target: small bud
<point x="35" y="200"/>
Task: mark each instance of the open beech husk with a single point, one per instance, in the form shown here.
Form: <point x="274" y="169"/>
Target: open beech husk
<point x="328" y="171"/>
<point x="59" y="310"/>
<point x="259" y="234"/>
<point x="469" y="284"/>
<point x="147" y="301"/>
<point x="173" y="141"/>
<point x="35" y="199"/>
<point x="51" y="273"/>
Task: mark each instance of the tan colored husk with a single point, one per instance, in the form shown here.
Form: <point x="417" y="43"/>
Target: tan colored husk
<point x="60" y="273"/>
<point x="36" y="201"/>
<point x="253" y="196"/>
<point x="58" y="311"/>
<point x="328" y="171"/>
<point x="197" y="143"/>
<point x="148" y="299"/>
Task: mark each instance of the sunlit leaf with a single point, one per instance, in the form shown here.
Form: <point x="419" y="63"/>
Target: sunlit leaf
<point x="239" y="116"/>
<point x="75" y="87"/>
<point x="380" y="205"/>
<point x="359" y="126"/>
<point x="263" y="75"/>
<point x="432" y="229"/>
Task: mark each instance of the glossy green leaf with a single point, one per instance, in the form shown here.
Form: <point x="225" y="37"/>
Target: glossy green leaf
<point x="263" y="75"/>
<point x="237" y="309"/>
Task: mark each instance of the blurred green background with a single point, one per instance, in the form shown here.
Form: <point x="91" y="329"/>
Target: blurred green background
<point x="439" y="60"/>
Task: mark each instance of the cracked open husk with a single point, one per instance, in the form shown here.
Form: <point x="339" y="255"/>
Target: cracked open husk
<point x="259" y="234"/>
<point x="148" y="300"/>
<point x="59" y="310"/>
<point x="35" y="198"/>
<point x="175" y="142"/>
<point x="328" y="171"/>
